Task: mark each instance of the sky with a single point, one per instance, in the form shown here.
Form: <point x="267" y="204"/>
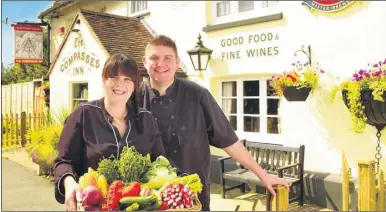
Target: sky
<point x="17" y="11"/>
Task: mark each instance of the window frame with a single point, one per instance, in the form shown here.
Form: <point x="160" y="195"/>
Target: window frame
<point x="258" y="11"/>
<point x="139" y="13"/>
<point x="263" y="135"/>
<point x="71" y="93"/>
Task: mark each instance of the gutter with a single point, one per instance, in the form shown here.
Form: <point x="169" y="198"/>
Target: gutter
<point x="52" y="9"/>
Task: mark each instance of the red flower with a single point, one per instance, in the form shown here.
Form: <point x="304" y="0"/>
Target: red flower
<point x="292" y="78"/>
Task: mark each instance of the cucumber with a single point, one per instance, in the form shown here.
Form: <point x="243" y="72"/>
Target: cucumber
<point x="132" y="207"/>
<point x="141" y="201"/>
<point x="152" y="207"/>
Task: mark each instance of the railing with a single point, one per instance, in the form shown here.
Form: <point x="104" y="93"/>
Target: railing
<point x="371" y="187"/>
<point x="15" y="127"/>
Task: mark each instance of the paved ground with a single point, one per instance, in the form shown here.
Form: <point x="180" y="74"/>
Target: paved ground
<point x="22" y="189"/>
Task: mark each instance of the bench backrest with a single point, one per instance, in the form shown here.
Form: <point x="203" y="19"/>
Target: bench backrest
<point x="272" y="156"/>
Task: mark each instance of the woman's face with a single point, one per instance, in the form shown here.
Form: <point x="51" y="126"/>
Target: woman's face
<point x="118" y="90"/>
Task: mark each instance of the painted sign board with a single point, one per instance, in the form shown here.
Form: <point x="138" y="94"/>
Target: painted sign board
<point x="327" y="5"/>
<point x="28" y="42"/>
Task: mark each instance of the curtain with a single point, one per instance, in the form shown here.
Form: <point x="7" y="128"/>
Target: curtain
<point x="138" y="6"/>
<point x="223" y="8"/>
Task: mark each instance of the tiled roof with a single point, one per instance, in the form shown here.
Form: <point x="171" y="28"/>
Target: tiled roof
<point x="119" y="34"/>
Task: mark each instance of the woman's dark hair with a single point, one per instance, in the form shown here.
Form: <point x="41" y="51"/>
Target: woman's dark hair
<point x="118" y="64"/>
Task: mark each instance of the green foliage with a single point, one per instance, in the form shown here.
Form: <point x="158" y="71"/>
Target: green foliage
<point x="43" y="146"/>
<point x="374" y="79"/>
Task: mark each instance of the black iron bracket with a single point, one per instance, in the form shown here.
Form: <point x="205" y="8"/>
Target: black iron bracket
<point x="306" y="51"/>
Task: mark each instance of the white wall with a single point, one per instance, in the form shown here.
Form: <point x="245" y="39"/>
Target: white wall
<point x="342" y="43"/>
<point x="68" y="13"/>
<point x="60" y="81"/>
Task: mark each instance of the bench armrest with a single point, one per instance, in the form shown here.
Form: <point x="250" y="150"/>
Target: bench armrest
<point x="221" y="160"/>
<point x="288" y="166"/>
<point x="281" y="169"/>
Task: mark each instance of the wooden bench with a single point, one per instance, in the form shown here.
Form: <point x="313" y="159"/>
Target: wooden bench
<point x="285" y="162"/>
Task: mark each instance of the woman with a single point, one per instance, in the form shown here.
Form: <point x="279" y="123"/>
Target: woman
<point x="102" y="128"/>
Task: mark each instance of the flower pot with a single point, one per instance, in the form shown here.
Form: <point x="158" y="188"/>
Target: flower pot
<point x="375" y="110"/>
<point x="292" y="93"/>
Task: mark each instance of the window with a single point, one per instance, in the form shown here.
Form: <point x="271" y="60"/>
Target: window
<point x="251" y="106"/>
<point x="79" y="94"/>
<point x="138" y="6"/>
<point x="226" y="11"/>
<point x="223" y="8"/>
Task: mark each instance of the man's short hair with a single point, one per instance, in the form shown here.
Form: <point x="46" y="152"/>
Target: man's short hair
<point x="163" y="40"/>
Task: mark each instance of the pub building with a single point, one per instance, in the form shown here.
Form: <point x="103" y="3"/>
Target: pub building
<point x="251" y="42"/>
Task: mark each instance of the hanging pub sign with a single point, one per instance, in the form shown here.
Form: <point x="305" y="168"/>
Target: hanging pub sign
<point x="28" y="40"/>
<point x="326" y="5"/>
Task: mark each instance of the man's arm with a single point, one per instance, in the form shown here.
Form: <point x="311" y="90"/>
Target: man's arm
<point x="221" y="135"/>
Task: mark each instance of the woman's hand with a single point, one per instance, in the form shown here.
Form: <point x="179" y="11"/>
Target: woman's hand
<point x="72" y="193"/>
<point x="271" y="180"/>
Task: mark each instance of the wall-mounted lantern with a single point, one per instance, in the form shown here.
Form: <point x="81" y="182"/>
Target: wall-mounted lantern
<point x="200" y="55"/>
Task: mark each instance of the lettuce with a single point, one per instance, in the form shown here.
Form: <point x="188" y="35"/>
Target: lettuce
<point x="160" y="170"/>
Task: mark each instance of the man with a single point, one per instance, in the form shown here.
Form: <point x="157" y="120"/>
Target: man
<point x="189" y="119"/>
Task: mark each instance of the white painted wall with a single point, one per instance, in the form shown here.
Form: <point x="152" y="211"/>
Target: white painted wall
<point x="342" y="43"/>
<point x="68" y="13"/>
<point x="60" y="82"/>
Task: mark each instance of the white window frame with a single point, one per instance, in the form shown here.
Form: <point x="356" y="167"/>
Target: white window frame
<point x="139" y="12"/>
<point x="258" y="11"/>
<point x="263" y="135"/>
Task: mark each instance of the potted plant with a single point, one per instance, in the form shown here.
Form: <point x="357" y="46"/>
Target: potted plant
<point x="364" y="95"/>
<point x="297" y="84"/>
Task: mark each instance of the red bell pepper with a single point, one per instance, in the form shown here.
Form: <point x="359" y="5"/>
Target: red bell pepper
<point x="131" y="190"/>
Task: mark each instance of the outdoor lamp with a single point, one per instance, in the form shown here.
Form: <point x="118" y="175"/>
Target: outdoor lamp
<point x="200" y="55"/>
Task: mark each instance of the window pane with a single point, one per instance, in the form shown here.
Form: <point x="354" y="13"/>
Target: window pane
<point x="246" y="6"/>
<point x="233" y="121"/>
<point x="269" y="3"/>
<point x="252" y="106"/>
<point x="229" y="106"/>
<point x="272" y="106"/>
<point x="138" y="6"/>
<point x="223" y="8"/>
<point x="273" y="125"/>
<point x="80" y="91"/>
<point x="229" y="89"/>
<point x="251" y="124"/>
<point x="270" y="90"/>
<point x="251" y="88"/>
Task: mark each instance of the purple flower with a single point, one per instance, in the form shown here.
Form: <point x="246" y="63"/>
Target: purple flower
<point x="361" y="72"/>
<point x="355" y="75"/>
<point x="367" y="74"/>
<point x="384" y="62"/>
<point x="375" y="65"/>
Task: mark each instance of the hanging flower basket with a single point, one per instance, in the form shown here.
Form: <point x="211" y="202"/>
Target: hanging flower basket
<point x="297" y="84"/>
<point x="365" y="96"/>
<point x="374" y="110"/>
<point x="293" y="94"/>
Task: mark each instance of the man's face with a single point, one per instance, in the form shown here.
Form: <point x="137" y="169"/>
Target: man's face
<point x="161" y="63"/>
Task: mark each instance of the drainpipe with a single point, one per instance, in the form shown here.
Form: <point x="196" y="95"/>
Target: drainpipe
<point x="48" y="43"/>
